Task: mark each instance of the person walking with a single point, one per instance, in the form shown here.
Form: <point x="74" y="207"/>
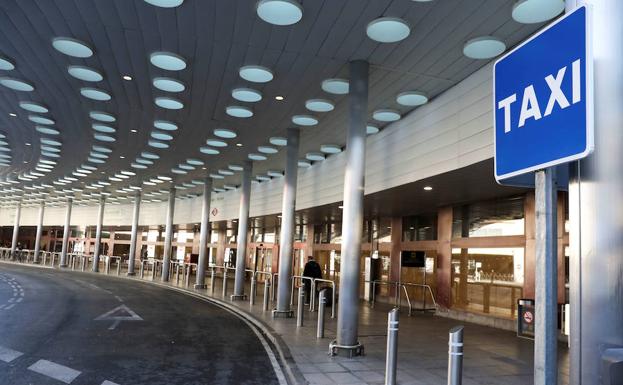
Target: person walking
<point x="311" y="270"/>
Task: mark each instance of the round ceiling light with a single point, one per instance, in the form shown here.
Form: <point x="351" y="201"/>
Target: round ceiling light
<point x="267" y="149"/>
<point x="168" y="103"/>
<point x="336" y="86"/>
<point x="216" y="143"/>
<point x="304" y="163"/>
<point x="50" y="149"/>
<point x="47" y="130"/>
<point x="225" y="172"/>
<point x="484" y="47"/>
<point x="168" y="85"/>
<point x="315" y="156"/>
<point x="165" y="125"/>
<point x="40" y="119"/>
<point x="157" y="144"/>
<point x="16" y="84"/>
<point x="6" y="64"/>
<point x="247" y="95"/>
<point x="280" y="12"/>
<point x="161" y="135"/>
<point x="537" y="11"/>
<point x="209" y="150"/>
<point x="254" y="156"/>
<point x="95" y="94"/>
<point x="104" y="138"/>
<point x="186" y="167"/>
<point x="304" y="120"/>
<point x="388" y="30"/>
<point x="411" y="98"/>
<point x="165" y="3"/>
<point x="95" y="160"/>
<point x="138" y="166"/>
<point x="372" y="129"/>
<point x="225" y="133"/>
<point x="50" y="154"/>
<point x="103" y="149"/>
<point x="239" y="111"/>
<point x="98" y="155"/>
<point x="256" y="74"/>
<point x="102" y="116"/>
<point x="85" y="73"/>
<point x="278" y="141"/>
<point x="386" y="115"/>
<point x="103" y="128"/>
<point x="167" y="61"/>
<point x="275" y="173"/>
<point x="262" y="178"/>
<point x="331" y="148"/>
<point x="216" y="176"/>
<point x="235" y="167"/>
<point x="144" y="161"/>
<point x="34" y="107"/>
<point x="195" y="162"/>
<point x="51" y="142"/>
<point x="72" y="47"/>
<point x="319" y="105"/>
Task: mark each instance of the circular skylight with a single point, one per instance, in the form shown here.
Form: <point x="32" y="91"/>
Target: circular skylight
<point x="6" y="64"/>
<point x="50" y="154"/>
<point x="161" y="135"/>
<point x="280" y="12"/>
<point x="254" y="156"/>
<point x="144" y="161"/>
<point x="165" y="125"/>
<point x="411" y="98"/>
<point x="104" y="138"/>
<point x="225" y="172"/>
<point x="256" y="74"/>
<point x="47" y="130"/>
<point x="319" y="105"/>
<point x="304" y="120"/>
<point x="330" y="148"/>
<point x="216" y="143"/>
<point x="51" y="142"/>
<point x="235" y="167"/>
<point x="537" y="11"/>
<point x="165" y="3"/>
<point x="209" y="150"/>
<point x="388" y="30"/>
<point x="248" y="95"/>
<point x="239" y="111"/>
<point x="102" y="116"/>
<point x="168" y="84"/>
<point x="138" y="166"/>
<point x="195" y="162"/>
<point x="335" y="86"/>
<point x="34" y="107"/>
<point x="278" y="141"/>
<point x="216" y="176"/>
<point x="225" y="133"/>
<point x="72" y="47"/>
<point x="315" y="156"/>
<point x="267" y="149"/>
<point x="103" y="128"/>
<point x="99" y="148"/>
<point x="98" y="155"/>
<point x="167" y="61"/>
<point x="275" y="173"/>
<point x="149" y="155"/>
<point x="168" y="103"/>
<point x="484" y="47"/>
<point x="95" y="94"/>
<point x="304" y="163"/>
<point x="16" y="84"/>
<point x="40" y="119"/>
<point x="372" y="129"/>
<point x="85" y="73"/>
<point x="157" y="144"/>
<point x="386" y="115"/>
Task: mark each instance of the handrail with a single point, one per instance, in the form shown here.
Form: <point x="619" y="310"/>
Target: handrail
<point x="403" y="285"/>
<point x="301" y="278"/>
<point x="313" y="290"/>
<point x="430" y="291"/>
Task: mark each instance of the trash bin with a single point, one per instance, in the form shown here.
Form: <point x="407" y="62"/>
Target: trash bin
<point x="525" y="318"/>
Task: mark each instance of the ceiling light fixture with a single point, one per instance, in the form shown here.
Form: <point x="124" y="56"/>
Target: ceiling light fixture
<point x="428" y="188"/>
<point x="247" y="95"/>
<point x="95" y="94"/>
<point x="225" y="133"/>
<point x="16" y="84"/>
<point x="280" y="12"/>
<point x="165" y="125"/>
<point x="484" y="47"/>
<point x="411" y="98"/>
<point x="85" y="73"/>
<point x="168" y="84"/>
<point x="336" y="86"/>
<point x="127" y="77"/>
<point x="537" y="11"/>
<point x="34" y="107"/>
<point x="304" y="120"/>
<point x="167" y="61"/>
<point x="386" y="115"/>
<point x="256" y="74"/>
<point x="372" y="129"/>
<point x="72" y="47"/>
<point x="165" y="3"/>
<point x="279" y="97"/>
<point x="388" y="30"/>
<point x="319" y="105"/>
<point x="239" y="111"/>
<point x="168" y="103"/>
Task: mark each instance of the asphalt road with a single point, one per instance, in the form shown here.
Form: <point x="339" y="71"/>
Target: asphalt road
<point x="49" y="316"/>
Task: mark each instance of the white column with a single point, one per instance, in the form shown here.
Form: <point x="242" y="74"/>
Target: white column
<point x="18" y="213"/>
<point x="203" y="236"/>
<point x="133" y="236"/>
<point x="98" y="234"/>
<point x="66" y="232"/>
<point x="243" y="227"/>
<point x="39" y="231"/>
<point x="168" y="236"/>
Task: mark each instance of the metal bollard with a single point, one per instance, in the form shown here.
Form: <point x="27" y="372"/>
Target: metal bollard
<point x="322" y="301"/>
<point x="118" y="266"/>
<point x="225" y="282"/>
<point x="107" y="269"/>
<point x="141" y="272"/>
<point x="187" y="279"/>
<point x="177" y="273"/>
<point x="153" y="271"/>
<point x="300" y="307"/>
<point x="266" y="294"/>
<point x="455" y="356"/>
<point x="253" y="289"/>
<point x="212" y="279"/>
<point x="391" y="360"/>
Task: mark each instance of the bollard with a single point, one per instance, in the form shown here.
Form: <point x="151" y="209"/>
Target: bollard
<point x="119" y="266"/>
<point x="391" y="360"/>
<point x="322" y="301"/>
<point x="141" y="272"/>
<point x="177" y="273"/>
<point x="266" y="294"/>
<point x="455" y="356"/>
<point x="225" y="282"/>
<point x="153" y="271"/>
<point x="253" y="289"/>
<point x="187" y="278"/>
<point x="300" y="307"/>
<point x="107" y="269"/>
<point x="212" y="279"/>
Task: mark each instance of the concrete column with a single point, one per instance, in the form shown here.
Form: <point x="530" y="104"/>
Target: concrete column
<point x="134" y="236"/>
<point x="38" y="233"/>
<point x="595" y="212"/>
<point x="98" y="235"/>
<point x="66" y="231"/>
<point x="286" y="238"/>
<point x="352" y="214"/>
<point x="203" y="235"/>
<point x="168" y="235"/>
<point x="18" y="213"/>
<point x="243" y="226"/>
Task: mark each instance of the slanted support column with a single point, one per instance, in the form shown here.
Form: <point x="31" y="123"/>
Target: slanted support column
<point x="18" y="213"/>
<point x="243" y="227"/>
<point x="168" y="236"/>
<point x="286" y="237"/>
<point x="352" y="216"/>
<point x="203" y="235"/>
<point x="134" y="235"/>
<point x="98" y="235"/>
<point x="66" y="232"/>
<point x="38" y="233"/>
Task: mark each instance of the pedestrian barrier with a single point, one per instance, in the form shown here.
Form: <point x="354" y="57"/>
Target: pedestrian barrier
<point x="391" y="355"/>
<point x="301" y="279"/>
<point x="188" y="267"/>
<point x="455" y="356"/>
<point x="313" y="297"/>
<point x="322" y="301"/>
<point x="402" y="287"/>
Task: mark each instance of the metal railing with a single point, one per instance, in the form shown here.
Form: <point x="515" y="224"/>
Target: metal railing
<point x="402" y="287"/>
<point x="312" y="298"/>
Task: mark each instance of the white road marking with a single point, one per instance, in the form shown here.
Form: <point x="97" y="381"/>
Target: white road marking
<point x="119" y="298"/>
<point x="55" y="371"/>
<point x="109" y="383"/>
<point x="109" y="316"/>
<point x="8" y="355"/>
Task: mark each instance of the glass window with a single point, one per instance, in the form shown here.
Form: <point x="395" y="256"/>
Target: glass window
<point x="214" y="237"/>
<point x="419" y="228"/>
<point x="492" y="218"/>
<point x="123" y="235"/>
<point x="300" y="233"/>
<point x="230" y="235"/>
<point x="336" y="232"/>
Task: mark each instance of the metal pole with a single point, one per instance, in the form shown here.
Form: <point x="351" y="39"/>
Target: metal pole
<point x="299" y="307"/>
<point x="66" y="232"/>
<point x="391" y="359"/>
<point x="253" y="289"/>
<point x="322" y="300"/>
<point x="225" y="282"/>
<point x="546" y="279"/>
<point x="455" y="356"/>
<point x="266" y="294"/>
<point x="352" y="214"/>
<point x="38" y="233"/>
<point x="243" y="221"/>
<point x="166" y="261"/>
<point x="134" y="235"/>
<point x="212" y="279"/>
<point x="203" y="236"/>
<point x="18" y="212"/>
<point x="107" y="266"/>
<point x="286" y="250"/>
<point x="98" y="235"/>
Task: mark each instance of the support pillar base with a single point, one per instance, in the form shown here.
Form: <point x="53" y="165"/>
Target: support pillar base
<point x="130" y="273"/>
<point x="238" y="297"/>
<point x="352" y="350"/>
<point x="283" y="313"/>
<point x="62" y="266"/>
<point x="197" y="287"/>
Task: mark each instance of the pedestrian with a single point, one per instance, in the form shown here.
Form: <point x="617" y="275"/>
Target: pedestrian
<point x="311" y="270"/>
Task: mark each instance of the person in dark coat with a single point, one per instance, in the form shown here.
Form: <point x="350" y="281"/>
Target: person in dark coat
<point x="312" y="270"/>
